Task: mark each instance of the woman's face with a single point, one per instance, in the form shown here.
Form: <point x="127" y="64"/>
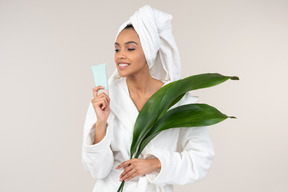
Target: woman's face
<point x="129" y="55"/>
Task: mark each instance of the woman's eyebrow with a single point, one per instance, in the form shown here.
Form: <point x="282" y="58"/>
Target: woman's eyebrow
<point x="131" y="42"/>
<point x="126" y="43"/>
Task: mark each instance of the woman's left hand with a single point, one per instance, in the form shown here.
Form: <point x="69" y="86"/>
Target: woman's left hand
<point x="136" y="167"/>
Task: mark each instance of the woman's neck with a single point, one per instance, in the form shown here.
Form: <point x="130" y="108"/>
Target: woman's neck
<point x="142" y="85"/>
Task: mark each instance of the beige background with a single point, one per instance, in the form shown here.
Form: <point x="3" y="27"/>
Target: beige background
<point x="48" y="46"/>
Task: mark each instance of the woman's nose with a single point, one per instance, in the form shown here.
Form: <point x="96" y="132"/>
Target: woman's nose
<point x="121" y="55"/>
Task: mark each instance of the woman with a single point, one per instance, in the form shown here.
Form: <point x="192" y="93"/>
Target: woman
<point x="146" y="58"/>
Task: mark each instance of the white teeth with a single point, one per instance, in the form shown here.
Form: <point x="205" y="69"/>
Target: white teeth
<point x="122" y="64"/>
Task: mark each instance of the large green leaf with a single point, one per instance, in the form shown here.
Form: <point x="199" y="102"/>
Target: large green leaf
<point x="167" y="96"/>
<point x="191" y="115"/>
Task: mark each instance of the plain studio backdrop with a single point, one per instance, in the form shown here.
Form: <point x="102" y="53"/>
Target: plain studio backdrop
<point x="47" y="48"/>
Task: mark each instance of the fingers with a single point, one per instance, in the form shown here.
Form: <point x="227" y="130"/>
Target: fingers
<point x="137" y="167"/>
<point x="102" y="103"/>
<point x="125" y="163"/>
<point x="131" y="170"/>
<point x="102" y="100"/>
<point x="131" y="177"/>
<point x="96" y="89"/>
<point x="128" y="171"/>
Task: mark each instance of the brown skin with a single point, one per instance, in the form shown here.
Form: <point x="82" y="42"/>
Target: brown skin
<point x="140" y="83"/>
<point x="102" y="109"/>
<point x="136" y="167"/>
<point x="141" y="86"/>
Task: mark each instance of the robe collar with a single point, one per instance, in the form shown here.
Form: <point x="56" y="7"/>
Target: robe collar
<point x="122" y="105"/>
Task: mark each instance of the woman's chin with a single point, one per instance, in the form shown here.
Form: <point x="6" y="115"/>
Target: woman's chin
<point x="122" y="74"/>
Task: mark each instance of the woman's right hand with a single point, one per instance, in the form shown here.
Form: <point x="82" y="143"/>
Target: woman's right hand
<point x="101" y="104"/>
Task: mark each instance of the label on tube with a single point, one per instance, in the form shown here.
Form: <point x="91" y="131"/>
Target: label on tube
<point x="100" y="77"/>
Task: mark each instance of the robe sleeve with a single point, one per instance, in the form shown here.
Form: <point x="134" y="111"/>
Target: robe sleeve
<point x="97" y="158"/>
<point x="190" y="164"/>
<point x="187" y="166"/>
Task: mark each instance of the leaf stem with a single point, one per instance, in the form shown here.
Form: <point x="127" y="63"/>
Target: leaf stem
<point x="121" y="187"/>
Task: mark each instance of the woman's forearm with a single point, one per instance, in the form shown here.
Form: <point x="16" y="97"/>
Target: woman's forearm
<point x="100" y="131"/>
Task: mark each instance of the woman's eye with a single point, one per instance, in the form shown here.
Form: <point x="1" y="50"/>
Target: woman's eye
<point x="131" y="49"/>
<point x="117" y="50"/>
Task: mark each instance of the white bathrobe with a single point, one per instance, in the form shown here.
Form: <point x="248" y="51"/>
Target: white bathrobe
<point x="185" y="154"/>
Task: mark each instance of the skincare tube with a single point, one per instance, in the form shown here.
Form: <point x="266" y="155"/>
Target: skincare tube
<point x="100" y="77"/>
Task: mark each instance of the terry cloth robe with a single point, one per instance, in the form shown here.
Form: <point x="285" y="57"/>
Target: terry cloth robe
<point x="185" y="154"/>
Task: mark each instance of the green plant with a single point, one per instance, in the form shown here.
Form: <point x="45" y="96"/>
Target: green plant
<point x="155" y="115"/>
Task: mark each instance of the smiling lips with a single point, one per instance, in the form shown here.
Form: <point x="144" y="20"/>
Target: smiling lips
<point x="123" y="65"/>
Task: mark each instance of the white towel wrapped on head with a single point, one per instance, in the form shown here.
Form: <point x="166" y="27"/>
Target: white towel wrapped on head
<point x="155" y="32"/>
